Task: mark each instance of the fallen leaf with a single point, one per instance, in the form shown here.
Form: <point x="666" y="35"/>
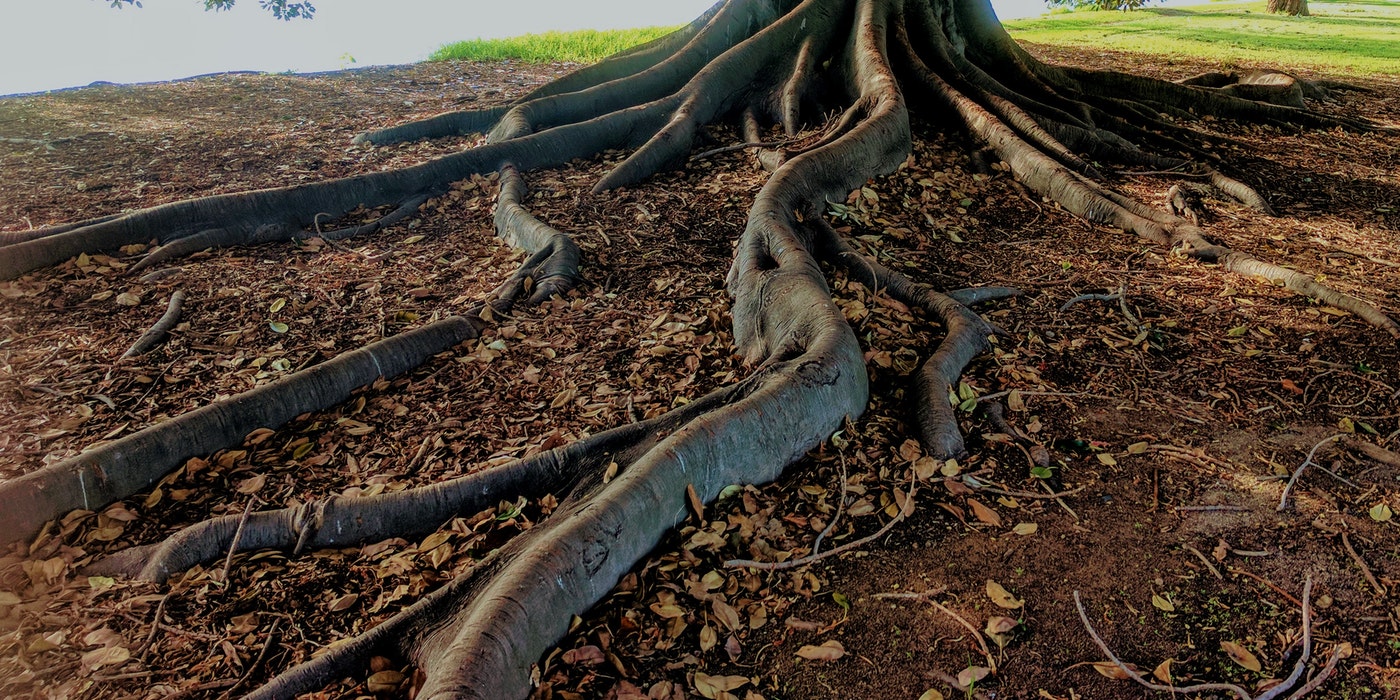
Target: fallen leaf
<point x="1106" y="458"/>
<point x="1241" y="656"/>
<point x="251" y="485"/>
<point x="384" y="681"/>
<point x="277" y="327"/>
<point x="828" y="651"/>
<point x="1108" y="669"/>
<point x="128" y="299"/>
<point x="711" y="686"/>
<point x="972" y="675"/>
<point x="586" y="655"/>
<point x="708" y="638"/>
<point x="1137" y="448"/>
<point x="106" y="656"/>
<point x="931" y="694"/>
<point x="983" y="513"/>
<point x="277" y="305"/>
<point x="1162" y="603"/>
<point x="1163" y="672"/>
<point x="1002" y="597"/>
<point x="1381" y="512"/>
<point x="1025" y="528"/>
<point x="343" y="602"/>
<point x="727" y="615"/>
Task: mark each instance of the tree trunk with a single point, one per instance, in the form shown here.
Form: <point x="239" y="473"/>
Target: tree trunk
<point x="1295" y="8"/>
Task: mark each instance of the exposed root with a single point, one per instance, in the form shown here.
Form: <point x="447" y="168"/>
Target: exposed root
<point x="762" y="62"/>
<point x="125" y="466"/>
<point x="157" y="333"/>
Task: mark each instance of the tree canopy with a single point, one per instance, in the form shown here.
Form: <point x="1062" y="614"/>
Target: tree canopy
<point x="281" y="9"/>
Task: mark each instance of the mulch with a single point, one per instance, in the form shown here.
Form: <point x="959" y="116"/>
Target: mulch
<point x="1173" y="412"/>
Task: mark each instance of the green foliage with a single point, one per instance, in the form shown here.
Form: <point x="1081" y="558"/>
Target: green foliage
<point x="281" y="9"/>
<point x="1098" y="4"/>
<point x="1350" y="37"/>
<point x="584" y="46"/>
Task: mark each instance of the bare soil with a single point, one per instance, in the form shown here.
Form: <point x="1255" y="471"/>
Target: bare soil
<point x="1242" y="375"/>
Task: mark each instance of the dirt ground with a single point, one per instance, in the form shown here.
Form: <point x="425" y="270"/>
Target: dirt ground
<point x="1167" y="417"/>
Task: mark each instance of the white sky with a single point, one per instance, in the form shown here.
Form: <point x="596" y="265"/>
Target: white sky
<point x="49" y="44"/>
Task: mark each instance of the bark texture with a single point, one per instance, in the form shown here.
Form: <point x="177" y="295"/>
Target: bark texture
<point x="763" y="64"/>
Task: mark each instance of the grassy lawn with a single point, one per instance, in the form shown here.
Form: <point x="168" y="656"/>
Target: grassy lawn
<point x="1351" y="37"/>
<point x="584" y="46"/>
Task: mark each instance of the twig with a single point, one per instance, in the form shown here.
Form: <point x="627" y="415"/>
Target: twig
<point x="977" y="485"/>
<point x="741" y="146"/>
<point x="1128" y="670"/>
<point x="1270" y="584"/>
<point x="157" y="333"/>
<point x="1302" y="664"/>
<point x="155" y="627"/>
<point x="1090" y="297"/>
<point x="237" y="535"/>
<point x="1283" y="500"/>
<point x="840" y="508"/>
<point x="1204" y="560"/>
<point x="1370" y="577"/>
<point x="810" y="558"/>
<point x="1061" y="501"/>
<point x="1073" y="394"/>
<point x="927" y="597"/>
<point x="267" y="646"/>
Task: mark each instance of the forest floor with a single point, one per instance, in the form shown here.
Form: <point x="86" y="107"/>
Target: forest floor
<point x="1170" y="415"/>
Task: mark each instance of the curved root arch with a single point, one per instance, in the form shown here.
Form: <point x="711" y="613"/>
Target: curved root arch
<point x="762" y="63"/>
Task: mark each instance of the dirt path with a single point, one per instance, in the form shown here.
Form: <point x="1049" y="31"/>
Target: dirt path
<point x="1243" y="375"/>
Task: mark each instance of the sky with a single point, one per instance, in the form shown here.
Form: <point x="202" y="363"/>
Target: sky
<point x="51" y="44"/>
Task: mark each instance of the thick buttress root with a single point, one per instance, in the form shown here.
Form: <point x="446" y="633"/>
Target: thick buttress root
<point x="761" y="63"/>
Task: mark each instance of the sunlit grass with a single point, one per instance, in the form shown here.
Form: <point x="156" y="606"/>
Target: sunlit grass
<point x="1361" y="36"/>
<point x="586" y="46"/>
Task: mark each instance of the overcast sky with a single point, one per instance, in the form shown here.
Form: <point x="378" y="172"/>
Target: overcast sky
<point x="51" y="44"/>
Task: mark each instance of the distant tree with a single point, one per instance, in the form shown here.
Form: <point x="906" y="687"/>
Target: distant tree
<point x="281" y="9"/>
<point x="1106" y="4"/>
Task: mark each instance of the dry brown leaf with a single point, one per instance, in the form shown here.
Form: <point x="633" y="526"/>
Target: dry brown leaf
<point x="711" y="686"/>
<point x="1162" y="603"/>
<point x="1163" y="672"/>
<point x="343" y="602"/>
<point x="106" y="656"/>
<point x="708" y="638"/>
<point x="983" y="513"/>
<point x="1108" y="669"/>
<point x="1241" y="656"/>
<point x="931" y="694"/>
<point x="384" y="681"/>
<point x="830" y="650"/>
<point x="1002" y="597"/>
<point x="251" y="485"/>
<point x="727" y="615"/>
<point x="1026" y="529"/>
<point x="973" y="675"/>
<point x="586" y="655"/>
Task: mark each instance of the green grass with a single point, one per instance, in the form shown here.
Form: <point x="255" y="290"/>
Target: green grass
<point x="586" y="46"/>
<point x="1359" y="37"/>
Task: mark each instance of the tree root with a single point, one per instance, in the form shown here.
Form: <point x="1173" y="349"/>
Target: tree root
<point x="122" y="467"/>
<point x="157" y="333"/>
<point x="764" y="63"/>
